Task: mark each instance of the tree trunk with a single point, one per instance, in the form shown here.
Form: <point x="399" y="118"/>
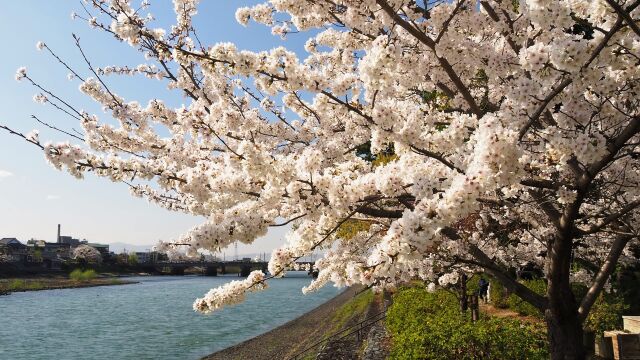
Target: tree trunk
<point x="463" y="293"/>
<point x="564" y="327"/>
<point x="565" y="336"/>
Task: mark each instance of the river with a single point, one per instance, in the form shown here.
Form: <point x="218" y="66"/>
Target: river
<point x="152" y="319"/>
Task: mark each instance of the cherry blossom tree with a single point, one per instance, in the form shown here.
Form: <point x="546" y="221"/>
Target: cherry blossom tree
<point x="87" y="254"/>
<point x="510" y="130"/>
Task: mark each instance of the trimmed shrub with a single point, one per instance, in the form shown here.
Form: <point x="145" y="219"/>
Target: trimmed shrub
<point x="429" y="326"/>
<point x="606" y="313"/>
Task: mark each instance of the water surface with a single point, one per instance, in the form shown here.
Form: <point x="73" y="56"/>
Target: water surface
<point x="149" y="320"/>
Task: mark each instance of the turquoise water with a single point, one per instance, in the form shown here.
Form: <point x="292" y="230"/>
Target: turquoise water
<point x="149" y="320"/>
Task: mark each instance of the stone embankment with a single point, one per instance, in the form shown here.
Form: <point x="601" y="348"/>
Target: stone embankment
<point x="340" y="317"/>
<point x="290" y="338"/>
<point x="377" y="343"/>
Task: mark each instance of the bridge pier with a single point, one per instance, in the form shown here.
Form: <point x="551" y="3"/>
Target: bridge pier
<point x="211" y="271"/>
<point x="177" y="270"/>
<point x="245" y="270"/>
<point x="241" y="268"/>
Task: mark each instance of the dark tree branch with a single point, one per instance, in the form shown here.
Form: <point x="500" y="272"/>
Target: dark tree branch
<point x="482" y="260"/>
<point x="603" y="275"/>
<point x="611" y="218"/>
<point x="566" y="82"/>
<point x="625" y="15"/>
<point x="439" y="157"/>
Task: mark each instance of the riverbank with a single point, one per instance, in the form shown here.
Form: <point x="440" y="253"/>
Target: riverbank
<point x="292" y="337"/>
<point x="49" y="283"/>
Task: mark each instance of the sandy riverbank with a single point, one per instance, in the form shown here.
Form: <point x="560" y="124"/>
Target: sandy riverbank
<point x="50" y="283"/>
<point x="290" y="338"/>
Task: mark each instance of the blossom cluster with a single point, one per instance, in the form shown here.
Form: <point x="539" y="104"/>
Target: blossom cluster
<point x="230" y="293"/>
<point x="411" y="123"/>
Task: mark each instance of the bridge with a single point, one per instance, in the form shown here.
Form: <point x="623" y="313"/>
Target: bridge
<point x="213" y="268"/>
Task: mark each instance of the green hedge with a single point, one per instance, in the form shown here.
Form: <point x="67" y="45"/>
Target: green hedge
<point x="606" y="313"/>
<point x="429" y="326"/>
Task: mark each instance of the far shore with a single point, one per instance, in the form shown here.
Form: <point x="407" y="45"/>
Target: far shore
<point x="10" y="285"/>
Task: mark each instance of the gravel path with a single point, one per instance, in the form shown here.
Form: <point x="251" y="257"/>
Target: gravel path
<point x="289" y="338"/>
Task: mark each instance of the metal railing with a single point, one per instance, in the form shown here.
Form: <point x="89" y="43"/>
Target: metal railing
<point x="357" y="329"/>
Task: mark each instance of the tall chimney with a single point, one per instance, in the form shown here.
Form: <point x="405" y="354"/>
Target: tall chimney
<point x="58" y="233"/>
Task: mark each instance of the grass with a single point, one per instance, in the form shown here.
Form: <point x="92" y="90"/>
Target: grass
<point x="86" y="275"/>
<point x="20" y="285"/>
<point x="355" y="308"/>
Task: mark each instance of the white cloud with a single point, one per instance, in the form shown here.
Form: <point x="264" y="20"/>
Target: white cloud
<point x="53" y="197"/>
<point x="5" y="174"/>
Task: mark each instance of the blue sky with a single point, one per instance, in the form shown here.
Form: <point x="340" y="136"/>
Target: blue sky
<point x="34" y="197"/>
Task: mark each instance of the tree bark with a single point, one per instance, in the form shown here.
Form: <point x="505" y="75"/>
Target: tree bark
<point x="463" y="293"/>
<point x="564" y="328"/>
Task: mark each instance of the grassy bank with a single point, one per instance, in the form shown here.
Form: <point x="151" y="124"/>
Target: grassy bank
<point x="44" y="283"/>
<point x="351" y="312"/>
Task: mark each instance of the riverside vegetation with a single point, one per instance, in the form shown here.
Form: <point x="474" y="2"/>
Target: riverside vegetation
<point x="606" y="313"/>
<point x="426" y="325"/>
<point x="77" y="278"/>
<point x="83" y="275"/>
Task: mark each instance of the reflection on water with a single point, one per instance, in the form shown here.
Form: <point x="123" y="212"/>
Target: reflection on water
<point x="149" y="320"/>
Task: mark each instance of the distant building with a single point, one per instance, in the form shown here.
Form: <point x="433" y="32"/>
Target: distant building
<point x="13" y="249"/>
<point x="57" y="251"/>
<point x="64" y="239"/>
<point x="51" y="254"/>
<point x="74" y="243"/>
<point x="143" y="257"/>
<point x="102" y="248"/>
<point x="70" y="240"/>
<point x="11" y="243"/>
<point x="150" y="257"/>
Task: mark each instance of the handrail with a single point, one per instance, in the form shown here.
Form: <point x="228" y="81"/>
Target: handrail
<point x="370" y="321"/>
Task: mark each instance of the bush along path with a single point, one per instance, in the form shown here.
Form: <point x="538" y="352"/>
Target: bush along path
<point x="425" y="325"/>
